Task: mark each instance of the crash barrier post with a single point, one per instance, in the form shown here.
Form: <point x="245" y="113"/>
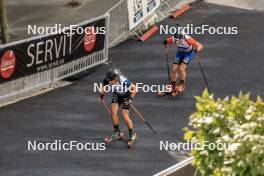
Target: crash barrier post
<point x="150" y="32"/>
<point x="38" y="61"/>
<point x="183" y="9"/>
<point x="170" y="6"/>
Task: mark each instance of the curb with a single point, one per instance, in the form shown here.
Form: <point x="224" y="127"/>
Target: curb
<point x="175" y="167"/>
<point x="179" y="12"/>
<point x="185" y="7"/>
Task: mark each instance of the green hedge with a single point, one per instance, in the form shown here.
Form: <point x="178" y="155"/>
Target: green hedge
<point x="236" y="122"/>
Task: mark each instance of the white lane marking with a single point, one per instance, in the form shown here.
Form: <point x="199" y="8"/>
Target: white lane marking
<point x="175" y="167"/>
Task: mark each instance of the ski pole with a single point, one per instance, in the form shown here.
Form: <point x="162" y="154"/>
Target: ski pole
<point x="201" y="68"/>
<point x="106" y="107"/>
<point x="167" y="58"/>
<point x="142" y="118"/>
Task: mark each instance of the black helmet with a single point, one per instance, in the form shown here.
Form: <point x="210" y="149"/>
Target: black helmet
<point x="178" y="35"/>
<point x="111" y="74"/>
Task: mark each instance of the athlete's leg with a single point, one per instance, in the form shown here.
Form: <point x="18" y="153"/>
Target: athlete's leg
<point x="132" y="133"/>
<point x="115" y="107"/>
<point x="128" y="121"/>
<point x="174" y="72"/>
<point x="186" y="60"/>
<point x="175" y="67"/>
<point x="180" y="87"/>
<point x="183" y="71"/>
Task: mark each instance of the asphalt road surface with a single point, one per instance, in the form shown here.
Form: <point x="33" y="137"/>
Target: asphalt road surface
<point x="249" y="4"/>
<point x="232" y="63"/>
<point x="22" y="13"/>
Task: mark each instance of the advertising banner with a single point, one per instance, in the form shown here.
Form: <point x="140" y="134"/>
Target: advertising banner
<point x="43" y="53"/>
<point x="138" y="10"/>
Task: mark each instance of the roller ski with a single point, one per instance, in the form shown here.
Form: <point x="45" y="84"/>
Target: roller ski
<point x="173" y="90"/>
<point x="114" y="137"/>
<point x="168" y="91"/>
<point x="178" y="90"/>
<point x="132" y="139"/>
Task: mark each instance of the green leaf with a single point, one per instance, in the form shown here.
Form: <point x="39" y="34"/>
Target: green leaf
<point x="188" y="135"/>
<point x="205" y="94"/>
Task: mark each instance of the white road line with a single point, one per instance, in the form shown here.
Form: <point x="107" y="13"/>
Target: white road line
<point x="175" y="167"/>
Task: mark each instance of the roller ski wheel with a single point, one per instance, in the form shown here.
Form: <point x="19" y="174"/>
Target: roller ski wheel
<point x="132" y="140"/>
<point x="179" y="90"/>
<point x="161" y="94"/>
<point x="130" y="144"/>
<point x="114" y="137"/>
<point x="167" y="92"/>
<point x="174" y="94"/>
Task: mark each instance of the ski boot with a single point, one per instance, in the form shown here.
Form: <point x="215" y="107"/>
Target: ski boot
<point x="117" y="135"/>
<point x="179" y="89"/>
<point x="132" y="139"/>
<point x="170" y="88"/>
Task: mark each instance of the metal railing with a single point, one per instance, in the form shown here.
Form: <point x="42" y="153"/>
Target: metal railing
<point x="118" y="23"/>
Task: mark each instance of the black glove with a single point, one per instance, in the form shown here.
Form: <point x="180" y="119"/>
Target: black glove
<point x="195" y="50"/>
<point x="101" y="96"/>
<point x="165" y="42"/>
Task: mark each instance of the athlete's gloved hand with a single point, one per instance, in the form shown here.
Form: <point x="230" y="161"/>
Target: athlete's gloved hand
<point x="101" y="96"/>
<point x="165" y="42"/>
<point x="195" y="50"/>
